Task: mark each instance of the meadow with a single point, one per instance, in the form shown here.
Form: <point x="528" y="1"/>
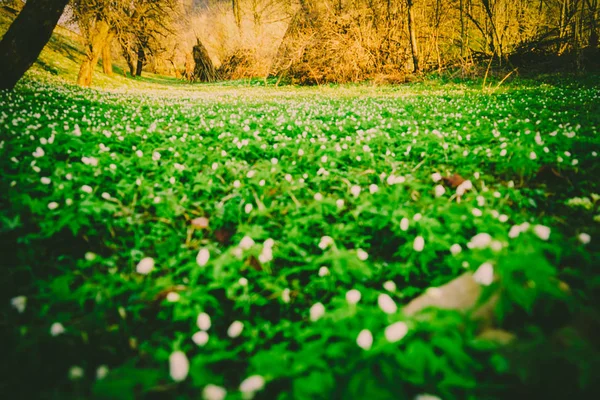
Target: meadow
<point x="166" y="240"/>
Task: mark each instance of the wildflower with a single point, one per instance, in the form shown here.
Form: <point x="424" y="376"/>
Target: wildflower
<point x="426" y="396"/>
<point x="45" y="180"/>
<point x="365" y="339"/>
<point x="243" y="281"/>
<point x="316" y="311"/>
<point x="248" y="208"/>
<point x="484" y="274"/>
<point x="105" y="196"/>
<point x="439" y="191"/>
<point x="266" y="255"/>
<point x="532" y="155"/>
<point x="87" y="189"/>
<point x="203" y="321"/>
<point x="355" y="190"/>
<point x="386" y="304"/>
<point x="173" y="297"/>
<point x="584" y="238"/>
<point x="396" y="331"/>
<point x="179" y="366"/>
<point x="318" y="197"/>
<point x="353" y="296"/>
<point x="19" y="303"/>
<point x="213" y="392"/>
<point x="373" y="188"/>
<point x="39" y="152"/>
<point x="52" y="205"/>
<point x="436" y="177"/>
<point x="480" y="241"/>
<point x="323" y="271"/>
<point x="285" y="295"/>
<point x="339" y="203"/>
<point x="419" y="244"/>
<point x="543" y="232"/>
<point x="145" y="266"/>
<point x="251" y="385"/>
<point x="75" y="372"/>
<point x="404" y="224"/>
<point x="362" y="255"/>
<point x="246" y="243"/>
<point x="326" y="241"/>
<point x="57" y="329"/>
<point x="515" y="231"/>
<point x="139" y="153"/>
<point x="101" y="372"/>
<point x="200" y="223"/>
<point x="390" y="286"/>
<point x="455" y="249"/>
<point x="235" y="329"/>
<point x="200" y="338"/>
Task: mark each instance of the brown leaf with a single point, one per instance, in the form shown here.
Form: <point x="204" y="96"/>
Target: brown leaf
<point x="253" y="263"/>
<point x="223" y="235"/>
<point x="453" y="181"/>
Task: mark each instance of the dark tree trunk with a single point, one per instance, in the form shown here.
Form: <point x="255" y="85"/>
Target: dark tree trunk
<point x="26" y="37"/>
<point x="140" y="61"/>
<point x="413" y="36"/>
<point x="204" y="70"/>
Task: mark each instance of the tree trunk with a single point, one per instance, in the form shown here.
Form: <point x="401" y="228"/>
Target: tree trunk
<point x="107" y="55"/>
<point x="26" y="37"/>
<point x="140" y="61"/>
<point x="93" y="53"/>
<point x="413" y="36"/>
<point x="237" y="13"/>
<point x="204" y="70"/>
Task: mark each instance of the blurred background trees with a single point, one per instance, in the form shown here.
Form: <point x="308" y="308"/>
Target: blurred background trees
<point x="318" y="41"/>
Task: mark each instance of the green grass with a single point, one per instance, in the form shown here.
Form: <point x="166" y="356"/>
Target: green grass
<point x="94" y="181"/>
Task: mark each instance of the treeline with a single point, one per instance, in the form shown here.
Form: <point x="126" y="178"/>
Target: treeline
<point x="311" y="41"/>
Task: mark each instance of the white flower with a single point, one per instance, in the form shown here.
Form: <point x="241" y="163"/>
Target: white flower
<point x="274" y="161"/>
<point x="173" y="297"/>
<point x="266" y="255"/>
<point x="246" y="243"/>
<point x="373" y="188"/>
<point x="584" y="238"/>
<point x="39" y="152"/>
<point x="404" y="224"/>
<point x="75" y="372"/>
<point x="325" y="242"/>
<point x="419" y="244"/>
<point x="248" y="208"/>
<point x="45" y="180"/>
<point x="87" y="189"/>
<point x="339" y="203"/>
<point x="251" y="385"/>
<point x="203" y="321"/>
<point x="156" y="156"/>
<point x="145" y="266"/>
<point x="105" y="196"/>
<point x="179" y="366"/>
<point x="543" y="232"/>
<point x="362" y="255"/>
<point x="57" y="329"/>
<point x="318" y="197"/>
<point x="477" y="212"/>
<point x="101" y="372"/>
<point x="426" y="396"/>
<point x="515" y="231"/>
<point x="396" y="331"/>
<point x="213" y="392"/>
<point x="139" y="153"/>
<point x="300" y="152"/>
<point x="323" y="271"/>
<point x="235" y="329"/>
<point x="365" y="339"/>
<point x="417" y="217"/>
<point x="52" y="205"/>
<point x="480" y="241"/>
<point x="455" y="249"/>
<point x="243" y="281"/>
<point x="90" y="161"/>
<point x="484" y="274"/>
<point x="19" y="303"/>
<point x="436" y="177"/>
<point x="200" y="338"/>
<point x="390" y="286"/>
<point x="439" y="191"/>
<point x="355" y="190"/>
<point x="203" y="257"/>
<point x="316" y="311"/>
<point x="386" y="304"/>
<point x="285" y="295"/>
<point x="532" y="155"/>
<point x="269" y="243"/>
<point x="353" y="296"/>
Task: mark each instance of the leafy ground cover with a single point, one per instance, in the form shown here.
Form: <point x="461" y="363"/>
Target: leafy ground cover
<point x="270" y="238"/>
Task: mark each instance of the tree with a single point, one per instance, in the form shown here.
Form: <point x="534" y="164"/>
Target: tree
<point x="26" y="37"/>
<point x="412" y="35"/>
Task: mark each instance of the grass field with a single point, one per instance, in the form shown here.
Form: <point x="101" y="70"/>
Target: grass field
<point x="271" y="238"/>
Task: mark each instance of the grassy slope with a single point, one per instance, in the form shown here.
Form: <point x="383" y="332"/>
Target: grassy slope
<point x="118" y="318"/>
